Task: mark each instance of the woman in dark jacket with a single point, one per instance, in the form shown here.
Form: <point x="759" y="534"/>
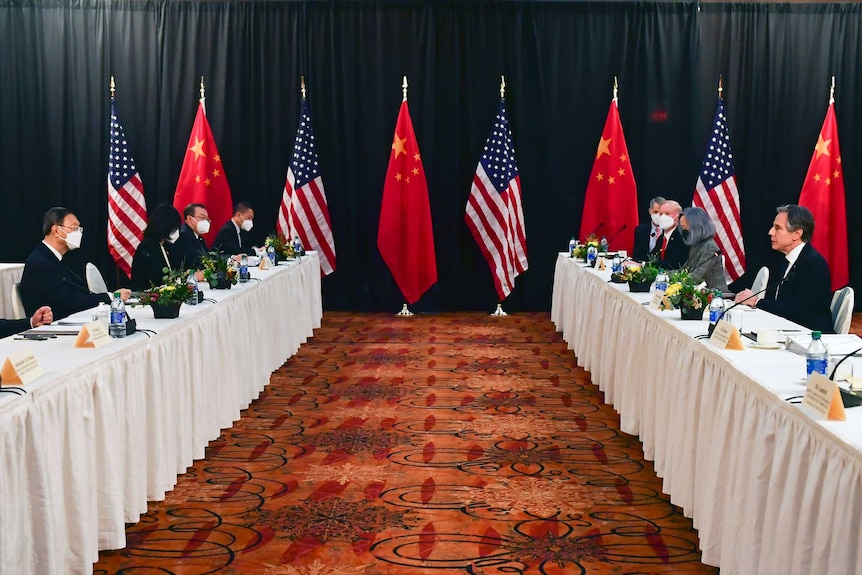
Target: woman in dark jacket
<point x="698" y="232"/>
<point x="153" y="255"/>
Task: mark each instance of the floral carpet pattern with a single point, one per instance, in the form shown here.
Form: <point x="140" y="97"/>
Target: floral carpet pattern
<point x="444" y="444"/>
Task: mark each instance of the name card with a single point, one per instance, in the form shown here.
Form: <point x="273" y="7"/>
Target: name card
<point x="20" y="368"/>
<point x="823" y="398"/>
<point x="600" y="265"/>
<point x="658" y="300"/>
<point x="726" y="336"/>
<point x="93" y="334"/>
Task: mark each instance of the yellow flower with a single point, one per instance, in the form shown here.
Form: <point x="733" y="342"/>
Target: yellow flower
<point x="672" y="289"/>
<point x="634" y="269"/>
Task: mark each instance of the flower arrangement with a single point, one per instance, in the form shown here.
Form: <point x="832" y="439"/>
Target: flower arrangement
<point x="174" y="290"/>
<point x="581" y="251"/>
<point x="217" y="269"/>
<point x="637" y="273"/>
<point x="283" y="248"/>
<point x="682" y="292"/>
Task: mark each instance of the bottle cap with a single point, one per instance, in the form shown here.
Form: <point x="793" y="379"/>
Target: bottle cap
<point x="816" y="334"/>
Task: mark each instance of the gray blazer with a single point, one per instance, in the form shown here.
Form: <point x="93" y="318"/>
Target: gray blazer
<point x="711" y="270"/>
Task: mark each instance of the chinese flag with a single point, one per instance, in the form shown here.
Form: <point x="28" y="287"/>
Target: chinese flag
<point x="823" y="194"/>
<point x="405" y="238"/>
<point x="611" y="203"/>
<point x="202" y="179"/>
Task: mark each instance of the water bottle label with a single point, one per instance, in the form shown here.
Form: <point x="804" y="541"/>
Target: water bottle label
<point x="714" y="315"/>
<point x="815" y="366"/>
<point x="117" y="316"/>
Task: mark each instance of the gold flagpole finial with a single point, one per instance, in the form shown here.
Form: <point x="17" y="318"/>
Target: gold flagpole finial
<point x="113" y="86"/>
<point x="202" y="88"/>
<point x="832" y="91"/>
<point x="616" y="88"/>
<point x="302" y="86"/>
<point x="720" y="89"/>
<point x="502" y="87"/>
<point x="404" y="88"/>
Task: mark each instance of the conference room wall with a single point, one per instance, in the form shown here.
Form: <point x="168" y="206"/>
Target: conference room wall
<point x="559" y="59"/>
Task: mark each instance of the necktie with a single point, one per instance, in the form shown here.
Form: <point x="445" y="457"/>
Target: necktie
<point x="784" y="267"/>
<point x="663" y="247"/>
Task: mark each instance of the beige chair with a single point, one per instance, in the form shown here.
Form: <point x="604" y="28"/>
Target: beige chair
<point x="17" y="303"/>
<point x="95" y="281"/>
<point x="760" y="280"/>
<point x="842" y="309"/>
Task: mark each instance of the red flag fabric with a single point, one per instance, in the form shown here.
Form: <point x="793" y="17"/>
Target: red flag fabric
<point x="303" y="211"/>
<point x="494" y="213"/>
<point x="127" y="209"/>
<point x="611" y="203"/>
<point x="716" y="192"/>
<point x="405" y="238"/>
<point x="202" y="179"/>
<point x="823" y="194"/>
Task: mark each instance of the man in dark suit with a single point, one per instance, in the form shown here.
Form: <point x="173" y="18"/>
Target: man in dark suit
<point x="647" y="235"/>
<point x="47" y="279"/>
<point x="43" y="316"/>
<point x="190" y="247"/>
<point x="233" y="238"/>
<point x="670" y="251"/>
<point x="803" y="293"/>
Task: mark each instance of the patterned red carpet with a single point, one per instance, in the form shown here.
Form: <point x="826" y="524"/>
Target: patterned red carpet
<point x="446" y="444"/>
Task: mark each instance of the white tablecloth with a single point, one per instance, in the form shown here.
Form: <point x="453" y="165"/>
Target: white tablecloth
<point x="770" y="489"/>
<point x="9" y="274"/>
<point x="105" y="430"/>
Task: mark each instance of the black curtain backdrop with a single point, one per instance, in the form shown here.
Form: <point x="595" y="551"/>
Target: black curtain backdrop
<point x="559" y="59"/>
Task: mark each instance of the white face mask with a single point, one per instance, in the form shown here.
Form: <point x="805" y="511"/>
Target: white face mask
<point x="654" y="218"/>
<point x="73" y="239"/>
<point x="665" y="222"/>
<point x="247" y="225"/>
<point x="203" y="227"/>
<point x="175" y="235"/>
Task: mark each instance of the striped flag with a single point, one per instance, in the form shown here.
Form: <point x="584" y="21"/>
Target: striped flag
<point x="494" y="214"/>
<point x="716" y="193"/>
<point x="127" y="210"/>
<point x="303" y="210"/>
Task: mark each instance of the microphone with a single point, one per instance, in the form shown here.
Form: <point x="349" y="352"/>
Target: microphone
<point x="619" y="231"/>
<point x="842" y="360"/>
<point x="742" y="301"/>
<point x="705" y="260"/>
<point x="596" y="230"/>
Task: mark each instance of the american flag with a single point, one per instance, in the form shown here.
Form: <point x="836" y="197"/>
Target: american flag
<point x="716" y="193"/>
<point x="494" y="214"/>
<point x="303" y="210"/>
<point x="127" y="209"/>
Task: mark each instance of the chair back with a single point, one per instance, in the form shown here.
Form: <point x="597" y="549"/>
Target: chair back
<point x="760" y="280"/>
<point x="95" y="281"/>
<point x="18" y="311"/>
<point x="842" y="309"/>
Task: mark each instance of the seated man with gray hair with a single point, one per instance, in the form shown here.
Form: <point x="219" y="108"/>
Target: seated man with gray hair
<point x="647" y="235"/>
<point x="800" y="291"/>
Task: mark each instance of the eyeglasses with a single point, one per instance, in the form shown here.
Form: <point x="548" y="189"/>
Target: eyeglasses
<point x="73" y="229"/>
<point x="201" y="218"/>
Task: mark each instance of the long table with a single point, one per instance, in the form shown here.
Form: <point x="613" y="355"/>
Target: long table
<point x="770" y="489"/>
<point x="103" y="431"/>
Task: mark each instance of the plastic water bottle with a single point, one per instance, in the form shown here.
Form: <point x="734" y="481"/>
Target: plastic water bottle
<point x="716" y="308"/>
<point x="192" y="282"/>
<point x="270" y="252"/>
<point x="816" y="358"/>
<point x="661" y="281"/>
<point x="616" y="264"/>
<point x="117" y="327"/>
<point x="243" y="269"/>
<point x="572" y="245"/>
<point x="603" y="245"/>
<point x="592" y="253"/>
<point x="298" y="247"/>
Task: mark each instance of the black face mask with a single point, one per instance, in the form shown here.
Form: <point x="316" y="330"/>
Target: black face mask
<point x="685" y="234"/>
